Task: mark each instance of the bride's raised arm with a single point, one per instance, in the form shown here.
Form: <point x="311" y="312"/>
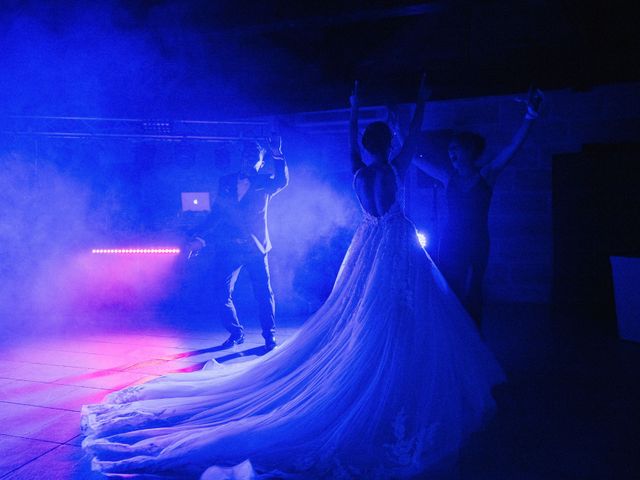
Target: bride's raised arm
<point x="403" y="160"/>
<point x="356" y="156"/>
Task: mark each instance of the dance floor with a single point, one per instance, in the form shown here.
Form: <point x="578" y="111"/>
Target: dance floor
<point x="45" y="381"/>
<point x="569" y="409"/>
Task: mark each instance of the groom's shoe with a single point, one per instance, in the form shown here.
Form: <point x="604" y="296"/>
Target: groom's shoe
<point x="234" y="339"/>
<point x="270" y="343"/>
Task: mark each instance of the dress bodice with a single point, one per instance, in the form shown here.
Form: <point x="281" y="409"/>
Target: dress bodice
<point x="380" y="191"/>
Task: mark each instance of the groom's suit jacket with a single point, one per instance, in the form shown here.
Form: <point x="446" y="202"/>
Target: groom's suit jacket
<point x="234" y="223"/>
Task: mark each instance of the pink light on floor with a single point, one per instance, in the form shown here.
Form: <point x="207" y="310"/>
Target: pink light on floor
<point x="154" y="250"/>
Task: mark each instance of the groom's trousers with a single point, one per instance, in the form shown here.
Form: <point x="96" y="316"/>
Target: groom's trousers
<point x="226" y="268"/>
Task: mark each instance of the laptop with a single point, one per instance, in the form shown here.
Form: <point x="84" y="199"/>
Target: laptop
<point x="195" y="202"/>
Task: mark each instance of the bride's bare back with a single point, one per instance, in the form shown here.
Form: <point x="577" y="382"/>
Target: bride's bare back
<point x="376" y="188"/>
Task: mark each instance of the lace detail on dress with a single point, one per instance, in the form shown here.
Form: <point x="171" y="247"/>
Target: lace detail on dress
<point x="406" y="452"/>
<point x="394" y="211"/>
<point x="126" y="395"/>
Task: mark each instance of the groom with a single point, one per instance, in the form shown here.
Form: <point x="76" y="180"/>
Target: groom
<point x="236" y="229"/>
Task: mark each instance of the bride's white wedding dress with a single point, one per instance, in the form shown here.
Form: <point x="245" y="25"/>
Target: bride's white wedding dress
<point x="384" y="381"/>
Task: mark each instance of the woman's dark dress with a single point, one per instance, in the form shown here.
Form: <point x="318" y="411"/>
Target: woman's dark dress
<point x="464" y="248"/>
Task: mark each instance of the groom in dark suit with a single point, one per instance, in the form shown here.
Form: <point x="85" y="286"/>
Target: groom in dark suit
<point x="237" y="231"/>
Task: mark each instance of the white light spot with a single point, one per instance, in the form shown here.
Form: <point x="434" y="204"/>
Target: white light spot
<point x="422" y="239"/>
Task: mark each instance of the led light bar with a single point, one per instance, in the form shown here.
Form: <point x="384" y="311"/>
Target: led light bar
<point x="155" y="250"/>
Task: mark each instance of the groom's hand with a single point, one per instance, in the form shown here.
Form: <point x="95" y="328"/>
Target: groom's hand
<point x="194" y="247"/>
<point x="275" y="145"/>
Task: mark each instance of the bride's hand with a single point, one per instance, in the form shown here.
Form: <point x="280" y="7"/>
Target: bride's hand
<point x="424" y="90"/>
<point x="354" y="100"/>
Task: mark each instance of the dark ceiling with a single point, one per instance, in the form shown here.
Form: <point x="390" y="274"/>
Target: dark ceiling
<point x="230" y="58"/>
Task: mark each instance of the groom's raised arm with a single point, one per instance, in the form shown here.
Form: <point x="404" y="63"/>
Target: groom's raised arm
<point x="280" y="179"/>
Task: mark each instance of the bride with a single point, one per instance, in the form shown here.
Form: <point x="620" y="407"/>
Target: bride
<point x="385" y="380"/>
